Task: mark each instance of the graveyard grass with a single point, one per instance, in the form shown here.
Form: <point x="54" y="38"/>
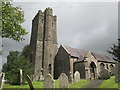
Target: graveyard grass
<point x="38" y="84"/>
<point x="110" y="83"/>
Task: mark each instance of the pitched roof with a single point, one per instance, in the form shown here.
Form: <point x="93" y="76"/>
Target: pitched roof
<point x="102" y="58"/>
<point x="81" y="54"/>
<point x="75" y="52"/>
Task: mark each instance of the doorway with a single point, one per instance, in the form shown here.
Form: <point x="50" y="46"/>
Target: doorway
<point x="92" y="70"/>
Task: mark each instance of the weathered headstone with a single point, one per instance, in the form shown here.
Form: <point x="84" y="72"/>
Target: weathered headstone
<point x="63" y="81"/>
<point x="41" y="78"/>
<point x="48" y="82"/>
<point x="70" y="77"/>
<point x="76" y="76"/>
<point x="20" y="76"/>
<point x="29" y="82"/>
<point x="2" y="80"/>
<point x="104" y="74"/>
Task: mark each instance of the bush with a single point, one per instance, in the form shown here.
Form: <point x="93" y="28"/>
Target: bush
<point x="104" y="74"/>
<point x="13" y="66"/>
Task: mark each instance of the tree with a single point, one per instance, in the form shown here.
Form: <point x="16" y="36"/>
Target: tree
<point x="115" y="51"/>
<point x="15" y="62"/>
<point x="25" y="52"/>
<point x="12" y="18"/>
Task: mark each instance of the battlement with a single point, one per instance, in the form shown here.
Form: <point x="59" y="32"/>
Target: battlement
<point x="48" y="11"/>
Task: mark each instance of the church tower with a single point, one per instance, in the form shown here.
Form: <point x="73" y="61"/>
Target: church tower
<point x="43" y="44"/>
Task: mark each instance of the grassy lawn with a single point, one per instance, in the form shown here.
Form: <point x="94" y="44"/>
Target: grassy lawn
<point x="81" y="84"/>
<point x="38" y="84"/>
<point x="110" y="83"/>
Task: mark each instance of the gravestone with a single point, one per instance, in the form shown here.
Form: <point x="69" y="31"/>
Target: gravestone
<point x="20" y="76"/>
<point x="76" y="76"/>
<point x="41" y="78"/>
<point x="63" y="81"/>
<point x="48" y="82"/>
<point x="29" y="82"/>
<point x="70" y="77"/>
<point x="2" y="80"/>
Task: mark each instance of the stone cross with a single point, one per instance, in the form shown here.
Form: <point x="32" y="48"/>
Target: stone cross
<point x="63" y="81"/>
<point x="29" y="82"/>
<point x="76" y="76"/>
<point x="48" y="82"/>
<point x="20" y="76"/>
<point x="2" y="76"/>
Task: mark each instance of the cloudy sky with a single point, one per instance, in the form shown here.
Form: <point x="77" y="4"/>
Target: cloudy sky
<point x="91" y="26"/>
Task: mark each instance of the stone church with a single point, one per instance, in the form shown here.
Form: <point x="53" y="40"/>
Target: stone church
<point x="48" y="59"/>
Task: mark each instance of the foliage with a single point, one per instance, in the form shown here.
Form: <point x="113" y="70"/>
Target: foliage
<point x="15" y="62"/>
<point x="115" y="51"/>
<point x="25" y="51"/>
<point x="12" y="18"/>
<point x="36" y="84"/>
<point x="109" y="83"/>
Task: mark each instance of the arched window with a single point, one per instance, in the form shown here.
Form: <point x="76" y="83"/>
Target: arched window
<point x="49" y="68"/>
<point x="107" y="66"/>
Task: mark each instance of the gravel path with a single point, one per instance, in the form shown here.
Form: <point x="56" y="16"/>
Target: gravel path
<point x="92" y="85"/>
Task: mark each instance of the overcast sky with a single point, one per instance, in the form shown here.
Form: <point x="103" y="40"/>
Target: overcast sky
<point x="89" y="26"/>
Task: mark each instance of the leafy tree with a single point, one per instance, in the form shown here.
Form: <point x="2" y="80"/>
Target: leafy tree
<point x="13" y="55"/>
<point x="115" y="51"/>
<point x="15" y="62"/>
<point x="12" y="18"/>
<point x="25" y="51"/>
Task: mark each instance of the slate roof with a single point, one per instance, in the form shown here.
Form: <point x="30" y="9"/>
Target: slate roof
<point x="81" y="54"/>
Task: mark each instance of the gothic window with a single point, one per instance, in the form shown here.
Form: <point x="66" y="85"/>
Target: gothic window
<point x="107" y="66"/>
<point x="111" y="69"/>
<point x="49" y="67"/>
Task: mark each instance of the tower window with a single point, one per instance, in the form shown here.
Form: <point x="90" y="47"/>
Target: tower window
<point x="49" y="67"/>
<point x="42" y="20"/>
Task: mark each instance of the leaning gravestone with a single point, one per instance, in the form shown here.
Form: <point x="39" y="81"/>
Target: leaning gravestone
<point x="29" y="82"/>
<point x="63" y="81"/>
<point x="2" y="80"/>
<point x="20" y="76"/>
<point x="76" y="76"/>
<point x="48" y="82"/>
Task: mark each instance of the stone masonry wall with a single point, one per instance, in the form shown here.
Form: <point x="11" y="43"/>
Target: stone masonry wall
<point x="43" y="44"/>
